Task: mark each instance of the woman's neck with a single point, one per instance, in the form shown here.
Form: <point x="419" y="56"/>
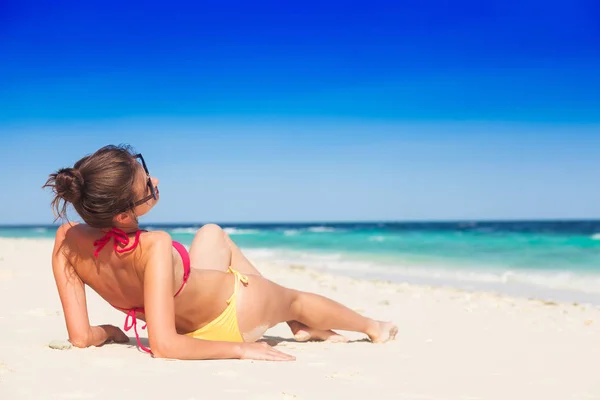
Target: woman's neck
<point x="127" y="228"/>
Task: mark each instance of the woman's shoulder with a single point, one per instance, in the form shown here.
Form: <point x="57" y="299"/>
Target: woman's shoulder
<point x="68" y="237"/>
<point x="73" y="234"/>
<point x="155" y="238"/>
<point x="67" y="228"/>
<point x="153" y="244"/>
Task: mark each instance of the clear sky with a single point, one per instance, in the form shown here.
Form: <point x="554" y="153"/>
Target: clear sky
<point x="310" y="111"/>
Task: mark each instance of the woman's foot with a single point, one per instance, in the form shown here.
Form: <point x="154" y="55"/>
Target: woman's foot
<point x="382" y="331"/>
<point x="303" y="333"/>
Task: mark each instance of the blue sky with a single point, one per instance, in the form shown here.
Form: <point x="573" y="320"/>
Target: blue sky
<point x="273" y="111"/>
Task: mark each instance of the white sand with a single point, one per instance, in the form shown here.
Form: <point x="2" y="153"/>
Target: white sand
<point x="451" y="345"/>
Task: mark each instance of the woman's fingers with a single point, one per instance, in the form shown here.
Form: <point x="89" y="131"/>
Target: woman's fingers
<point x="281" y="356"/>
<point x="262" y="351"/>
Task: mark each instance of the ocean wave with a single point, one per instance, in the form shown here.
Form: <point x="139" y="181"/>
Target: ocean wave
<point x="321" y="229"/>
<point x="376" y="238"/>
<point x="191" y="231"/>
<point x="596" y="236"/>
<point x="262" y="253"/>
<point x="229" y="231"/>
<point x="583" y="282"/>
<point x="239" y="231"/>
<point x="311" y="229"/>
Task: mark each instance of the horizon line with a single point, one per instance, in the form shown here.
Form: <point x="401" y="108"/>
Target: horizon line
<point x="338" y="222"/>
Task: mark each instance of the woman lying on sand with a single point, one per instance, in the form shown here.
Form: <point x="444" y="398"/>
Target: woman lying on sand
<point x="208" y="304"/>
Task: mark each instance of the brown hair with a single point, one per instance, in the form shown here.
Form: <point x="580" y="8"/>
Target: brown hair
<point x="99" y="186"/>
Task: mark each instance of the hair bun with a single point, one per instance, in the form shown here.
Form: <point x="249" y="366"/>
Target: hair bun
<point x="69" y="184"/>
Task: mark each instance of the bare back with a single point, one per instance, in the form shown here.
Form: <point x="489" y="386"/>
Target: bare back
<point x="118" y="277"/>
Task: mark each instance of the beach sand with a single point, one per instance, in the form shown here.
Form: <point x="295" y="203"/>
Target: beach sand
<point x="451" y="344"/>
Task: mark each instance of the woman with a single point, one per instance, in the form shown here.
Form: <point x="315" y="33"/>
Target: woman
<point x="208" y="304"/>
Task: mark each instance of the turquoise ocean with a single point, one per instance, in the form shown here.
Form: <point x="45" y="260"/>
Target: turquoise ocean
<point x="551" y="259"/>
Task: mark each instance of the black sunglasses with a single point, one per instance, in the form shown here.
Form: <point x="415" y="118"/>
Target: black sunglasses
<point x="153" y="189"/>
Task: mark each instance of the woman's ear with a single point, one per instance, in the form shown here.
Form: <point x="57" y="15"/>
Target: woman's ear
<point x="122" y="218"/>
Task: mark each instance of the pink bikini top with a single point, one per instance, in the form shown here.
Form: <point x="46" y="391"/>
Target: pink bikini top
<point x="121" y="245"/>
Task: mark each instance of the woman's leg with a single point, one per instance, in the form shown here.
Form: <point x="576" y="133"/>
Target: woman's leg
<point x="263" y="302"/>
<point x="212" y="248"/>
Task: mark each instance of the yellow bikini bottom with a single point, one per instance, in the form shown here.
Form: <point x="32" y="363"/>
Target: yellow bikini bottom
<point x="225" y="327"/>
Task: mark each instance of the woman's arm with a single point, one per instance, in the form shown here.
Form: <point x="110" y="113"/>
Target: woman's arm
<point x="159" y="308"/>
<point x="71" y="291"/>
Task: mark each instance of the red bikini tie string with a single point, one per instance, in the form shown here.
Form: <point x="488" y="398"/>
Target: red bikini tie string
<point x="120" y="238"/>
<point x="131" y="321"/>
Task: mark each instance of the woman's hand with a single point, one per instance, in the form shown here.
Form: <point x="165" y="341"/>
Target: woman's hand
<point x="115" y="334"/>
<point x="262" y="351"/>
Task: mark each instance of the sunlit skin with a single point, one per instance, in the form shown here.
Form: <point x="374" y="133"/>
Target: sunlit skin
<point x="150" y="275"/>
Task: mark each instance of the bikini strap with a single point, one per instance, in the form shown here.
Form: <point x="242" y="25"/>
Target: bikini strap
<point x="120" y="239"/>
<point x="238" y="277"/>
<point x="131" y="322"/>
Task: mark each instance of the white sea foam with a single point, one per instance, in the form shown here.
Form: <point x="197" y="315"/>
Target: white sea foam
<point x="191" y="231"/>
<point x="596" y="236"/>
<point x="238" y="231"/>
<point x="230" y="231"/>
<point x="260" y="253"/>
<point x="291" y="232"/>
<point x="321" y="229"/>
<point x="376" y="238"/>
<point x="483" y="276"/>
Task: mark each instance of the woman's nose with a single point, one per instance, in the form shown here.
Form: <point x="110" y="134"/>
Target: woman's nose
<point x="154" y="181"/>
